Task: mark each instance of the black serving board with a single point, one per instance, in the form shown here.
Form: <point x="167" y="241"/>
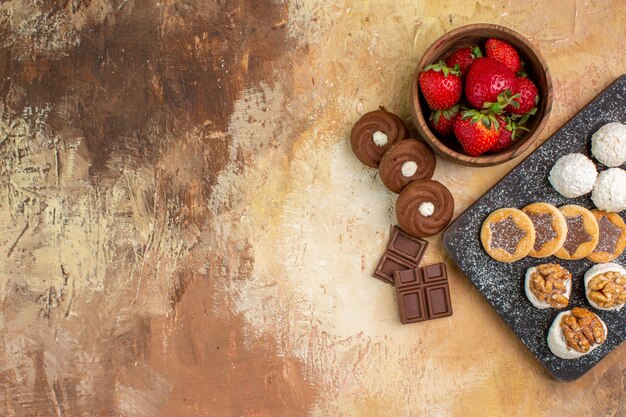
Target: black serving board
<point x="501" y="284"/>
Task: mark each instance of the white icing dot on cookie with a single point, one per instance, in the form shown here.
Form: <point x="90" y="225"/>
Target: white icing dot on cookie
<point x="379" y="138"/>
<point x="409" y="168"/>
<point x="426" y="209"/>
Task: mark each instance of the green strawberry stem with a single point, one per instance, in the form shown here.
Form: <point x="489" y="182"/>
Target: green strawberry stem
<point x="523" y="118"/>
<point x="513" y="126"/>
<point x="441" y="66"/>
<point x="522" y="70"/>
<point x="486" y="117"/>
<point x="504" y="99"/>
<point x="448" y="113"/>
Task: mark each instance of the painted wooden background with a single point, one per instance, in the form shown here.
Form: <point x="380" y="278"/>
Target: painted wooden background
<point x="185" y="232"/>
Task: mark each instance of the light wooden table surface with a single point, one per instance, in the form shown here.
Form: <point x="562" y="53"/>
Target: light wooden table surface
<point x="185" y="231"/>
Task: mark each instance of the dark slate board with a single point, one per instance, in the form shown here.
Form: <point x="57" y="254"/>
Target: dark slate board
<point x="502" y="284"/>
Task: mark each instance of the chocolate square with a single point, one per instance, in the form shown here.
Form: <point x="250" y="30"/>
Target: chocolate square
<point x="423" y="293"/>
<point x="434" y="273"/>
<point x="390" y="263"/>
<point x="408" y="277"/>
<point x="403" y="252"/>
<point x="438" y="300"/>
<point x="412" y="306"/>
<point x="406" y="246"/>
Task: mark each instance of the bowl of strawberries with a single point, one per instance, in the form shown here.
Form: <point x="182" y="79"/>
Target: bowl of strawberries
<point x="481" y="95"/>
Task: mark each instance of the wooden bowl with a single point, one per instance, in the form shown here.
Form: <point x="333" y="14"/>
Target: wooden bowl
<point x="472" y="35"/>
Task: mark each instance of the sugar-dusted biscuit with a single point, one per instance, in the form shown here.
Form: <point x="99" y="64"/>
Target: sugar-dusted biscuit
<point x="508" y="235"/>
<point x="550" y="228"/>
<point x="612" y="238"/>
<point x="582" y="233"/>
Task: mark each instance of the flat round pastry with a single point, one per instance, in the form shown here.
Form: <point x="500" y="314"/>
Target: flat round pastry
<point x="406" y="161"/>
<point x="548" y="286"/>
<point x="424" y="208"/>
<point x="374" y="133"/>
<point x="609" y="191"/>
<point x="550" y="228"/>
<point x="605" y="286"/>
<point x="612" y="237"/>
<point x="582" y="233"/>
<point x="508" y="235"/>
<point x="576" y="333"/>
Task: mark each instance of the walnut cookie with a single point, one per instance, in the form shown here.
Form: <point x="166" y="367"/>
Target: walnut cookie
<point x="548" y="285"/>
<point x="605" y="286"/>
<point x="576" y="333"/>
<point x="582" y="233"/>
<point x="550" y="229"/>
<point x="612" y="237"/>
<point x="508" y="235"/>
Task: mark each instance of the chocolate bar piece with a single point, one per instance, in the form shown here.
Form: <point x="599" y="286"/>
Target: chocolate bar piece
<point x="423" y="293"/>
<point x="403" y="252"/>
<point x="407" y="246"/>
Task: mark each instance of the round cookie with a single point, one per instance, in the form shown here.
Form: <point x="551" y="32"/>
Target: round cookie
<point x="550" y="229"/>
<point x="573" y="175"/>
<point x="406" y="161"/>
<point x="612" y="237"/>
<point x="508" y="235"/>
<point x="608" y="144"/>
<point x="605" y="286"/>
<point x="582" y="233"/>
<point x="374" y="133"/>
<point x="609" y="191"/>
<point x="576" y="343"/>
<point x="548" y="285"/>
<point x="424" y="208"/>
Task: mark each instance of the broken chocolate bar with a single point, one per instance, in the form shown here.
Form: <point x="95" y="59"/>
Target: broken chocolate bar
<point x="403" y="252"/>
<point x="423" y="293"/>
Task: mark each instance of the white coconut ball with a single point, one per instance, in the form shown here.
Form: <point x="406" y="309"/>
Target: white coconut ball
<point x="608" y="144"/>
<point x="609" y="191"/>
<point x="531" y="295"/>
<point x="602" y="269"/>
<point x="557" y="343"/>
<point x="573" y="175"/>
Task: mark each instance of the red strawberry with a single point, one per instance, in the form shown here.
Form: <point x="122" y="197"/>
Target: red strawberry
<point x="463" y="57"/>
<point x="528" y="96"/>
<point x="476" y="131"/>
<point x="505" y="139"/>
<point x="442" y="121"/>
<point x="503" y="52"/>
<point x="486" y="79"/>
<point x="508" y="132"/>
<point x="440" y="85"/>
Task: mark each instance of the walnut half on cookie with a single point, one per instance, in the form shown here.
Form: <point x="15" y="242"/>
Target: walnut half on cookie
<point x="605" y="286"/>
<point x="576" y="333"/>
<point x="548" y="285"/>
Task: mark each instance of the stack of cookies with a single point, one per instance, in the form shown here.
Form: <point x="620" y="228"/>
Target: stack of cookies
<point x="540" y="230"/>
<point x="380" y="139"/>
